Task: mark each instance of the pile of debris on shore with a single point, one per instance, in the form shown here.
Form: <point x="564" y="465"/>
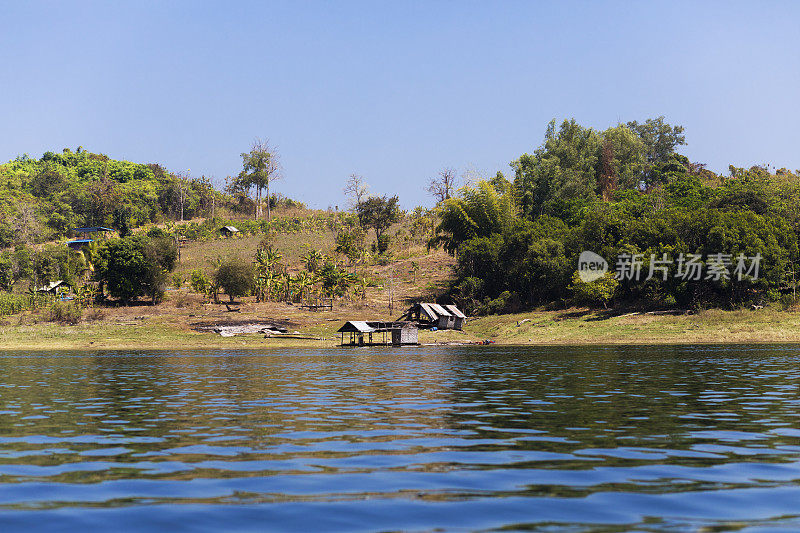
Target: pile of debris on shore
<point x="231" y="328"/>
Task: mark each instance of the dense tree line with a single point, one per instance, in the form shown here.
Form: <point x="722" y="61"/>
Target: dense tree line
<point x="44" y="199"/>
<point x="622" y="193"/>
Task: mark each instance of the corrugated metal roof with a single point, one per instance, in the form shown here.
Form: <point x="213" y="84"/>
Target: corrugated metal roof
<point x="356" y="326"/>
<point x="441" y="311"/>
<point x="453" y="309"/>
<point x="93" y="229"/>
<point x="426" y="308"/>
<point x="50" y="286"/>
<point x="229" y="228"/>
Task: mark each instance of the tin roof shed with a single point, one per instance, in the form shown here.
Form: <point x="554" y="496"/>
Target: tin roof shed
<point x="356" y="326"/>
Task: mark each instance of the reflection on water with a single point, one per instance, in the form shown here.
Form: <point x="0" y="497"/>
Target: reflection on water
<point x="661" y="438"/>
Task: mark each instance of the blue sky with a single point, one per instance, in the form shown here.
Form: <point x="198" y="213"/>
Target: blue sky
<point x="392" y="90"/>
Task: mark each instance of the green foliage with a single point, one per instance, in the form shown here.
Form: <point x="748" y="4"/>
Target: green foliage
<point x="201" y="283"/>
<point x="136" y="266"/>
<point x="64" y="312"/>
<point x="598" y="292"/>
<point x="260" y="167"/>
<point x="350" y="242"/>
<point x="313" y="259"/>
<point x="45" y="199"/>
<point x="335" y="280"/>
<point x="506" y="302"/>
<point x="378" y="213"/>
<point x="6" y="272"/>
<point x="235" y="276"/>
<point x="422" y="224"/>
<point x="121" y="217"/>
<point x="566" y="166"/>
<point x="11" y="304"/>
<point x="624" y="190"/>
<point x="660" y="140"/>
<point x="382" y="244"/>
<point x="475" y="212"/>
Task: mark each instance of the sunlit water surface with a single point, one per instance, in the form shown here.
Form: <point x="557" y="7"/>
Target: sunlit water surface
<point x="478" y="438"/>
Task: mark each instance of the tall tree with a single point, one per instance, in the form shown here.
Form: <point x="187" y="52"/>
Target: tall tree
<point x="564" y="168"/>
<point x="379" y="213"/>
<point x="623" y="156"/>
<point x="660" y="140"/>
<point x="261" y="166"/>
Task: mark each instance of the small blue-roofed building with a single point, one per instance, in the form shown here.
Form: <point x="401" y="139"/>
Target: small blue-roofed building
<point x="78" y="244"/>
<point x="93" y="229"/>
<point x="89" y="230"/>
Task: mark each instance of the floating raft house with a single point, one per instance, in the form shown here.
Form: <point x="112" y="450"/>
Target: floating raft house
<point x="362" y="333"/>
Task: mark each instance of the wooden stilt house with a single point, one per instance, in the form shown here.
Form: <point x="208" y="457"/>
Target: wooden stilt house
<point x="362" y="333"/>
<point x="431" y="315"/>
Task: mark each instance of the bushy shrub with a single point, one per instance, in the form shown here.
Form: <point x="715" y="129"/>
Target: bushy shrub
<point x="64" y="312"/>
<point x="136" y="266"/>
<point x="507" y="302"/>
<point x="383" y="243"/>
<point x="199" y="282"/>
<point x="600" y="291"/>
<point x="236" y="276"/>
<point x="6" y="273"/>
<point x="94" y="314"/>
<point x="182" y="300"/>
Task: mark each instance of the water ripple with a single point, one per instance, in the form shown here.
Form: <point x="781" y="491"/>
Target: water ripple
<point x="651" y="439"/>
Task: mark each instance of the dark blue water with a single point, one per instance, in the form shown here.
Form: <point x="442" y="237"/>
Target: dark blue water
<point x="479" y="438"/>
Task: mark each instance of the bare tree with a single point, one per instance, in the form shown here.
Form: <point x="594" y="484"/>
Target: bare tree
<point x="260" y="167"/>
<point x="356" y="189"/>
<point x="441" y="187"/>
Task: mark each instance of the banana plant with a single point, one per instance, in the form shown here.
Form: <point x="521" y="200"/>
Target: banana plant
<point x="313" y="260"/>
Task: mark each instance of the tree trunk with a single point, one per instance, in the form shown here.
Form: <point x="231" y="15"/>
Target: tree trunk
<point x="255" y="208"/>
<point x="268" y="207"/>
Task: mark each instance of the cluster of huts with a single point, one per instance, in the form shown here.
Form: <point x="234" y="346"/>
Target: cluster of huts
<point x="404" y="331"/>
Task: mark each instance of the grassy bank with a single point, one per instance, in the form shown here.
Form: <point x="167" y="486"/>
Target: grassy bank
<point x="410" y="270"/>
<point x="571" y="327"/>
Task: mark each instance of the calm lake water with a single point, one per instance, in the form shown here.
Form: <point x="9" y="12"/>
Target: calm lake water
<point x="600" y="439"/>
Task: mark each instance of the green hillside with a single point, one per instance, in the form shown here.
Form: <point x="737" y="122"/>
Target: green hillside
<point x="42" y="199"/>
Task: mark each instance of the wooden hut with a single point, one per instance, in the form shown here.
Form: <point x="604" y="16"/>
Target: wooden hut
<point x="228" y="231"/>
<point x="52" y="287"/>
<point x="458" y="316"/>
<point x="405" y="334"/>
<point x="430" y="315"/>
<point x="362" y="333"/>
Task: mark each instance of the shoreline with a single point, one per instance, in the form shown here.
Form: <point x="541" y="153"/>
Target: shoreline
<point x="535" y="328"/>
